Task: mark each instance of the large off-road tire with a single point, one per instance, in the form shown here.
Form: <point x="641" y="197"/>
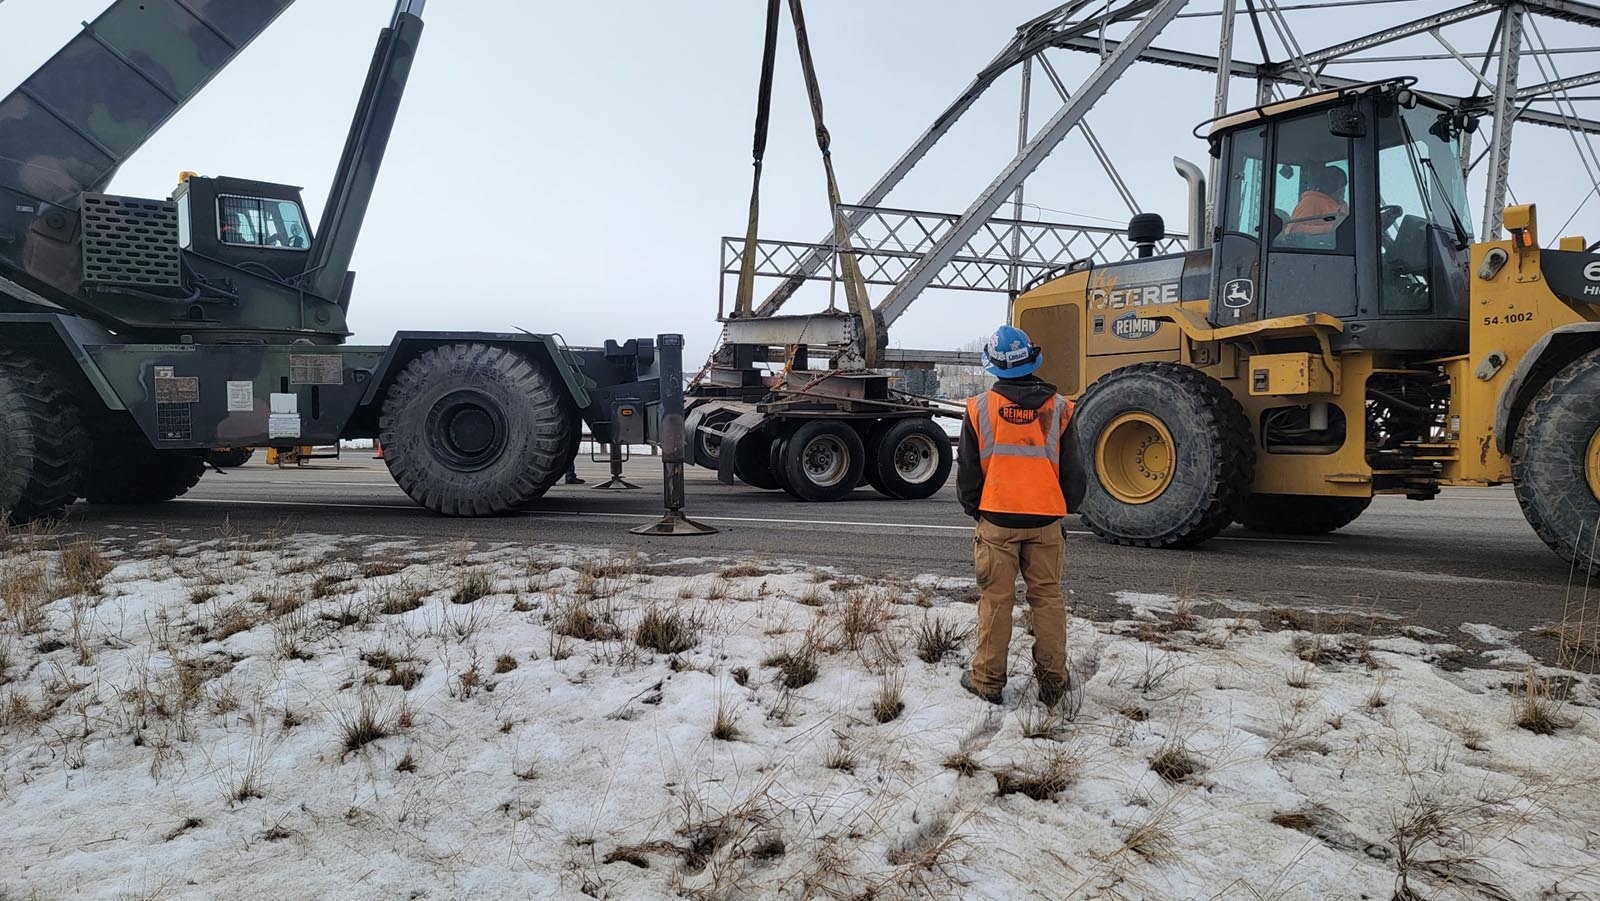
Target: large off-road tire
<point x="476" y="429"/>
<point x="125" y="469"/>
<point x="908" y="459"/>
<point x="823" y="460"/>
<point x="1168" y="456"/>
<point x="752" y="461"/>
<point x="1300" y="514"/>
<point x="1555" y="460"/>
<point x="44" y="448"/>
<point x="230" y="457"/>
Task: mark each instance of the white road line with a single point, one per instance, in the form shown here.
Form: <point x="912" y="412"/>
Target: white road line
<point x="929" y="527"/>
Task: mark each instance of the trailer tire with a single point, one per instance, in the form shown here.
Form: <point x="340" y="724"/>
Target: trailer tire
<point x="752" y="461"/>
<point x="707" y="447"/>
<point x="1300" y="514"/>
<point x="780" y="446"/>
<point x="44" y="447"/>
<point x="908" y="459"/>
<point x="476" y="430"/>
<point x="823" y="460"/>
<point x="1555" y="460"/>
<point x="1168" y="456"/>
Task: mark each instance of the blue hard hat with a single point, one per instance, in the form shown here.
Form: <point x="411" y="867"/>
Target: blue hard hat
<point x="1010" y="355"/>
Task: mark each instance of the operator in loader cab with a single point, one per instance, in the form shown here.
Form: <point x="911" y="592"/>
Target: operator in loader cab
<point x="1018" y="474"/>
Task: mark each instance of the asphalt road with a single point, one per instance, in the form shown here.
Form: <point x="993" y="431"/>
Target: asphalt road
<point x="1466" y="557"/>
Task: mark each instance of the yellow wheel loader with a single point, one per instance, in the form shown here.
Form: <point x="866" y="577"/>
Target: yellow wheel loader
<point x="1336" y="334"/>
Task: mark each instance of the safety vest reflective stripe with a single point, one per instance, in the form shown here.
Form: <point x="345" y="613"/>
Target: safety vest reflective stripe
<point x="1022" y="486"/>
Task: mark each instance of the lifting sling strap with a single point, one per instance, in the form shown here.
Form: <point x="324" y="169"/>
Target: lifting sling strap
<point x="854" y="284"/>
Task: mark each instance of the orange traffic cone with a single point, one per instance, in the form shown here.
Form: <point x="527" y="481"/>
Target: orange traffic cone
<point x="379" y="446"/>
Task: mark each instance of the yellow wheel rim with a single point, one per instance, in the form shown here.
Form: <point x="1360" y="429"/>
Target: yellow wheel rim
<point x="1133" y="458"/>
<point x="1591" y="463"/>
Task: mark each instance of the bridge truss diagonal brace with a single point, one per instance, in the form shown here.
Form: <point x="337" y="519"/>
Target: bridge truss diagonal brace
<point x="1111" y="67"/>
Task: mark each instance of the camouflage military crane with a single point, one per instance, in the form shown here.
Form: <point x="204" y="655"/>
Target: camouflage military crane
<point x="136" y="334"/>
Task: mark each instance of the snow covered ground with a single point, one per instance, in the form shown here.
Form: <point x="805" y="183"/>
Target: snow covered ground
<point x="338" y="717"/>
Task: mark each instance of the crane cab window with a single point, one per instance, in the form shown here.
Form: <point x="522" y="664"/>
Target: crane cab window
<point x="1311" y="188"/>
<point x="261" y="222"/>
<point x="1422" y="205"/>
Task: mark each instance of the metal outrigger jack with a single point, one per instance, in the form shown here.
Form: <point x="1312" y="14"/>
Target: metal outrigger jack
<point x="673" y="445"/>
<point x="616" y="482"/>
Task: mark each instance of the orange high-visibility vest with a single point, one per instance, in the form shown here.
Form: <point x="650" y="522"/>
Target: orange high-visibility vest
<point x="1020" y="452"/>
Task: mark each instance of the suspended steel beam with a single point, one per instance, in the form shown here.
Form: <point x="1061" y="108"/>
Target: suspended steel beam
<point x="1567" y="10"/>
<point x="1111" y="67"/>
<point x="1558" y="86"/>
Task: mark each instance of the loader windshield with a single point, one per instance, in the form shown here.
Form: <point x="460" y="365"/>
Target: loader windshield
<point x="1422" y="213"/>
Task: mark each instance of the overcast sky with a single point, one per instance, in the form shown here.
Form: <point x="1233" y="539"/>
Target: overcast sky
<point x="570" y="167"/>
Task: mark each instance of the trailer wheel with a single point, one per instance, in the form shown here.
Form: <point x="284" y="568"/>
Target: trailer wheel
<point x="751" y="461"/>
<point x="909" y="458"/>
<point x="44" y="447"/>
<point x="476" y="430"/>
<point x="125" y="469"/>
<point x="1300" y="514"/>
<point x="823" y="460"/>
<point x="707" y="448"/>
<point x="1555" y="460"/>
<point x="1168" y="454"/>
<point x="780" y="446"/>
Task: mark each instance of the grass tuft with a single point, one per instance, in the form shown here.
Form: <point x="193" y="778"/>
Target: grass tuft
<point x="1535" y="706"/>
<point x="364" y="725"/>
<point x="580" y="619"/>
<point x="725" y="726"/>
<point x="1174" y="763"/>
<point x="82" y="567"/>
<point x="1049" y="777"/>
<point x="471" y="584"/>
<point x="890" y="702"/>
<point x="937" y="639"/>
<point x="666" y="630"/>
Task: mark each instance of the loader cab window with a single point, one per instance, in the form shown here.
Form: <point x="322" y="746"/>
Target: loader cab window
<point x="1422" y="206"/>
<point x="1311" y="188"/>
<point x="261" y="222"/>
<point x="1246" y="182"/>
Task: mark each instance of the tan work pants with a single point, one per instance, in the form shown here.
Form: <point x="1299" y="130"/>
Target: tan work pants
<point x="1000" y="554"/>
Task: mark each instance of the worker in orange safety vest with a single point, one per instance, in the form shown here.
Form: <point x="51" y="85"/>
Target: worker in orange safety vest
<point x="1018" y="475"/>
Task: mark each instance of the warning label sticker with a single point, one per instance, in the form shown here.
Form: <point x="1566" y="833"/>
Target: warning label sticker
<point x="241" y="397"/>
<point x="283" y="425"/>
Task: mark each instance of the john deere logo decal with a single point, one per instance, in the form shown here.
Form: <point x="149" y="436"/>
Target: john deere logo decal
<point x="1130" y="327"/>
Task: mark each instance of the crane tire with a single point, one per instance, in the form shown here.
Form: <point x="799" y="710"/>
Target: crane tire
<point x="125" y="469"/>
<point x="476" y="429"/>
<point x="44" y="447"/>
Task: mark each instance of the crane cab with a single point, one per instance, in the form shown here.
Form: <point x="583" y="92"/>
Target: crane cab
<point x="1350" y="203"/>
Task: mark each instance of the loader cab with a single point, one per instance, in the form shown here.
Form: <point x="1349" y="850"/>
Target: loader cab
<point x="244" y="223"/>
<point x="1350" y="203"/>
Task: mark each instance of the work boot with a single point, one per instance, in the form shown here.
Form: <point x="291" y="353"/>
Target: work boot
<point x="1052" y="690"/>
<point x="966" y="682"/>
<point x="574" y="480"/>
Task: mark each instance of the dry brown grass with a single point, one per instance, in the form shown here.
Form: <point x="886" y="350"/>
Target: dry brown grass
<point x="725" y="726"/>
<point x="797" y="666"/>
<point x="864" y="615"/>
<point x="890" y="700"/>
<point x="1049" y="776"/>
<point x="25" y="590"/>
<point x="233" y="619"/>
<point x="1537" y="706"/>
<point x="938" y="639"/>
<point x="396" y="596"/>
<point x="585" y="620"/>
<point x="842" y="758"/>
<point x="667" y="630"/>
<point x="279" y="599"/>
<point x="1174" y="763"/>
<point x="367" y="723"/>
<point x="82" y="567"/>
<point x="377" y="569"/>
<point x="471" y="585"/>
<point x="748" y="570"/>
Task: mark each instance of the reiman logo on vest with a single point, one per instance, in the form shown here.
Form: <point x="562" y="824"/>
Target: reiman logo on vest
<point x="1018" y="415"/>
<point x="1130" y="327"/>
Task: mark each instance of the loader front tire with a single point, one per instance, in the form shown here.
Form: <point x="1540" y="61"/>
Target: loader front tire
<point x="44" y="448"/>
<point x="1168" y="456"/>
<point x="1300" y="514"/>
<point x="1555" y="461"/>
<point x="476" y="430"/>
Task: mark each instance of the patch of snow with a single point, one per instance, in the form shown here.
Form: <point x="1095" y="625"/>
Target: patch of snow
<point x="188" y="731"/>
